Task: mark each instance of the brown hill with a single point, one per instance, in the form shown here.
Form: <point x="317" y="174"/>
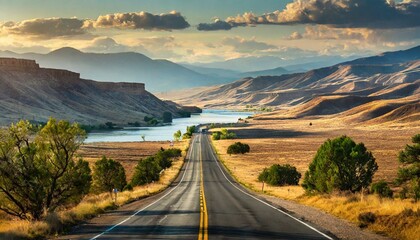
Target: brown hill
<point x="30" y="92"/>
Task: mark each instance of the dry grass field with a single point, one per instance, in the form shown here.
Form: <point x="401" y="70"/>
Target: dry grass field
<point x="128" y="154"/>
<point x="295" y="141"/>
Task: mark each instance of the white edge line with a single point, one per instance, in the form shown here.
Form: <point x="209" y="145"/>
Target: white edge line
<point x="285" y="213"/>
<point x="125" y="220"/>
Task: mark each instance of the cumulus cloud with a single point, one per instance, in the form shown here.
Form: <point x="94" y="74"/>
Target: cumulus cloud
<point x="47" y="27"/>
<point x="217" y="25"/>
<point x="246" y="45"/>
<point x="142" y="20"/>
<point x="372" y="14"/>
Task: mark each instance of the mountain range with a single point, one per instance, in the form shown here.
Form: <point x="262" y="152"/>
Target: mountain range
<point x="163" y="75"/>
<point x="390" y="79"/>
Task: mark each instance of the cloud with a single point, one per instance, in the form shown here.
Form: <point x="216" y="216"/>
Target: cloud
<point x="246" y="45"/>
<point x="109" y="45"/>
<point x="142" y="20"/>
<point x="45" y="28"/>
<point x="216" y="25"/>
<point x="372" y="14"/>
<point x="295" y="36"/>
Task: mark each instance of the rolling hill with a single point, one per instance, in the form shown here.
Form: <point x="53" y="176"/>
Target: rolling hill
<point x="388" y="77"/>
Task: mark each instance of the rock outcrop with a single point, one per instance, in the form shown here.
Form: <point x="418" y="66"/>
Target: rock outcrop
<point x="30" y="92"/>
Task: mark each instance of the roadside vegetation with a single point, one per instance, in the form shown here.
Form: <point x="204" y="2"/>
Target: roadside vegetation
<point x="190" y="130"/>
<point x="340" y="181"/>
<point x="238" y="148"/>
<point x="47" y="187"/>
<point x="223" y="134"/>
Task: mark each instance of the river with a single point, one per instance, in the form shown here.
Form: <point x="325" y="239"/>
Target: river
<point x="165" y="133"/>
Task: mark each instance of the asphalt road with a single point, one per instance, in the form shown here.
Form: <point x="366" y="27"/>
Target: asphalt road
<point x="203" y="203"/>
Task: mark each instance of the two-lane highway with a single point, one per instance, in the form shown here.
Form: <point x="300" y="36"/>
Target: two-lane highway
<point x="204" y="203"/>
<point x="236" y="214"/>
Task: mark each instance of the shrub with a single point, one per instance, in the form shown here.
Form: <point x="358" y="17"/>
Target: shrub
<point x="280" y="175"/>
<point x="366" y="218"/>
<point x="238" y="148"/>
<point x="340" y="164"/>
<point x="128" y="187"/>
<point x="382" y="189"/>
<point x="146" y="171"/>
<point x="223" y="134"/>
<point x="190" y="131"/>
<point x="108" y="174"/>
<point x="409" y="174"/>
<point x="39" y="169"/>
<point x="216" y="136"/>
<point x="177" y="135"/>
<point x="164" y="157"/>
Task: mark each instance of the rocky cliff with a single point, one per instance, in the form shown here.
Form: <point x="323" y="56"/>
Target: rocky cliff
<point x="30" y="92"/>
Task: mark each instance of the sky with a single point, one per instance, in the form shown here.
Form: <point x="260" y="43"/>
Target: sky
<point x="208" y="31"/>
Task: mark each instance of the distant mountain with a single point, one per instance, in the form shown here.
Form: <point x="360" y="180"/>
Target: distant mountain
<point x="158" y="75"/>
<point x="329" y="90"/>
<point x="389" y="57"/>
<point x="33" y="93"/>
<point x="270" y="72"/>
<point x="253" y="64"/>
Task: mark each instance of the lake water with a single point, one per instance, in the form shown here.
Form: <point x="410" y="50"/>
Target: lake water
<point x="165" y="133"/>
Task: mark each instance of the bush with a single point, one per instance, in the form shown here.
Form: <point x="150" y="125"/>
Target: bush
<point x="215" y="136"/>
<point x="128" y="187"/>
<point x="340" y="164"/>
<point x="280" y="175"/>
<point x="177" y="135"/>
<point x="409" y="174"/>
<point x="108" y="174"/>
<point x="148" y="170"/>
<point x="238" y="148"/>
<point x="382" y="189"/>
<point x="223" y="134"/>
<point x="39" y="169"/>
<point x="366" y="218"/>
<point x="190" y="131"/>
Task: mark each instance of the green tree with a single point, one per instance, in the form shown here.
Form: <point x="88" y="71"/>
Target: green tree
<point x="107" y="175"/>
<point x="238" y="148"/>
<point x="39" y="169"/>
<point x="167" y="117"/>
<point x="382" y="189"/>
<point x="340" y="164"/>
<point x="409" y="173"/>
<point x="280" y="175"/>
<point x="190" y="131"/>
<point x="146" y="171"/>
<point x="177" y="135"/>
<point x="164" y="157"/>
<point x="215" y="136"/>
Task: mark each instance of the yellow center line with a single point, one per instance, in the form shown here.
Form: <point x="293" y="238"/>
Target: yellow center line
<point x="204" y="220"/>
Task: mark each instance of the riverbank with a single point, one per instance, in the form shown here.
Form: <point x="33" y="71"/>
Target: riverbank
<point x="93" y="205"/>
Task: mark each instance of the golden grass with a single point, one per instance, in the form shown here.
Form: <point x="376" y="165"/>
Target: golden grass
<point x="93" y="205"/>
<point x="295" y="143"/>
